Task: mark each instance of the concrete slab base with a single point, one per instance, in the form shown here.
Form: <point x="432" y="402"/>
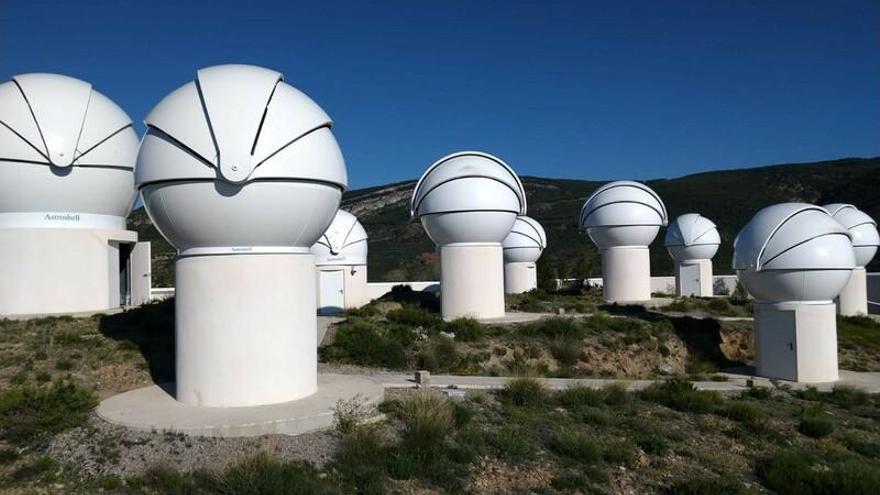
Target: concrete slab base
<point x="154" y="409"/>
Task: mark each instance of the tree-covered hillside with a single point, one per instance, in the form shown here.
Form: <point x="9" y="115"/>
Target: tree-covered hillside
<point x="400" y="250"/>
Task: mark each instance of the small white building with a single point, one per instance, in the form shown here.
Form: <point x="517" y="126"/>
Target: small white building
<point x="522" y="248"/>
<point x="692" y="240"/>
<point x="853" y="299"/>
<point x="67" y="160"/>
<point x="794" y="259"/>
<point x="468" y="202"/>
<point x="341" y="263"/>
<point x="240" y="172"/>
<point x="622" y="218"/>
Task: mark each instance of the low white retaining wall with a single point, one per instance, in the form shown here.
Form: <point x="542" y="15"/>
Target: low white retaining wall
<point x="666" y="285"/>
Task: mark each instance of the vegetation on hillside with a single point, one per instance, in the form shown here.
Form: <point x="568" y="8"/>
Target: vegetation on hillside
<point x="400" y="250"/>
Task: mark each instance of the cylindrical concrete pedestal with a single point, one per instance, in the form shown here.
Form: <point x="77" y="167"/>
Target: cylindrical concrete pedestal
<point x="853" y="299"/>
<point x="52" y="271"/>
<point x="245" y="329"/>
<point x="520" y="277"/>
<point x="471" y="281"/>
<point x="626" y="274"/>
<point x="693" y="278"/>
<point x="796" y="341"/>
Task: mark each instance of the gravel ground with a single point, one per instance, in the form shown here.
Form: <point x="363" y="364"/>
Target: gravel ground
<point x="99" y="448"/>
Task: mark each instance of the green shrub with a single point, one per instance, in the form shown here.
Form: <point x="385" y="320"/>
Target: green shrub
<point x="620" y="453"/>
<point x="262" y="475"/>
<point x="681" y="395"/>
<point x="43" y="467"/>
<point x="440" y="354"/>
<point x="579" y="395"/>
<point x="63" y="365"/>
<point x="847" y="396"/>
<point x="360" y="460"/>
<point x="524" y="392"/>
<point x="861" y="446"/>
<point x="762" y="393"/>
<point x="427" y="421"/>
<point x="8" y="455"/>
<point x="706" y="486"/>
<point x="719" y="305"/>
<point x="744" y="412"/>
<point x="740" y="295"/>
<point x="566" y="351"/>
<point x="29" y="413"/>
<point x="816" y="426"/>
<point x="412" y="315"/>
<point x="795" y="472"/>
<point x="350" y="414"/>
<point x="465" y="329"/>
<point x="575" y="444"/>
<point x="365" y="343"/>
<point x="513" y="443"/>
<point x="654" y="443"/>
<point x="553" y="328"/>
<point x="615" y="394"/>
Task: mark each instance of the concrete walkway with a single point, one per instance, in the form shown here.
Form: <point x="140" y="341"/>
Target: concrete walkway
<point x="869" y="382"/>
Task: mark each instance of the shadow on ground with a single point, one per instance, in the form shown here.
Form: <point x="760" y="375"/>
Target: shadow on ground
<point x="404" y="294"/>
<point x="151" y="328"/>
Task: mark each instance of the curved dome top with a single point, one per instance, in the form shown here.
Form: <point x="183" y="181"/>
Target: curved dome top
<point x="468" y="197"/>
<point x="525" y="242"/>
<point x="67" y="155"/>
<point x="790" y="236"/>
<point x="62" y="121"/>
<point x="692" y="229"/>
<point x="343" y="243"/>
<point x="468" y="181"/>
<point x="862" y="228"/>
<point x="240" y="123"/>
<point x="240" y="162"/>
<point x="623" y="203"/>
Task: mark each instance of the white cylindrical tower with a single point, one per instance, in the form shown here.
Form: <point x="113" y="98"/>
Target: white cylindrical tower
<point x="341" y="260"/>
<point x="467" y="203"/>
<point x="794" y="258"/>
<point x="67" y="159"/>
<point x="241" y="173"/>
<point x="853" y="299"/>
<point x="692" y="240"/>
<point x="522" y="248"/>
<point x="622" y="218"/>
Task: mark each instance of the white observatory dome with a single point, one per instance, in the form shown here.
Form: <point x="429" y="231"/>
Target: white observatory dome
<point x="793" y="252"/>
<point x="623" y="213"/>
<point x="468" y="197"/>
<point x="862" y="228"/>
<point x="526" y="241"/>
<point x="64" y="148"/>
<point x="240" y="161"/>
<point x="343" y="244"/>
<point x="692" y="237"/>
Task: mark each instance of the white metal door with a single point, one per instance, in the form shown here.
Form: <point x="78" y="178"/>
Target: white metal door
<point x="139" y="271"/>
<point x="776" y="345"/>
<point x="689" y="278"/>
<point x="332" y="297"/>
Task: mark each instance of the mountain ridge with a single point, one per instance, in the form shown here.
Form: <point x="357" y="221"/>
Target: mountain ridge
<point x="399" y="249"/>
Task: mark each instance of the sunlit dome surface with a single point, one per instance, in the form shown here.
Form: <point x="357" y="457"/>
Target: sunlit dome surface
<point x="64" y="147"/>
<point x="793" y="252"/>
<point x="468" y="197"/>
<point x="344" y="243"/>
<point x="623" y="213"/>
<point x="526" y="241"/>
<point x="692" y="237"/>
<point x="240" y="161"/>
<point x="863" y="228"/>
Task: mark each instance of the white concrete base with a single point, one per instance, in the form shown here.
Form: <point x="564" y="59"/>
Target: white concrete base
<point x="471" y="281"/>
<point x="154" y="409"/>
<point x="520" y="277"/>
<point x="58" y="271"/>
<point x="853" y="299"/>
<point x="693" y="278"/>
<point x="626" y="274"/>
<point x="796" y="341"/>
<point x="246" y="329"/>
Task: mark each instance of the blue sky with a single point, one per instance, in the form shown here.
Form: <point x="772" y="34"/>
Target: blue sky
<point x="590" y="90"/>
